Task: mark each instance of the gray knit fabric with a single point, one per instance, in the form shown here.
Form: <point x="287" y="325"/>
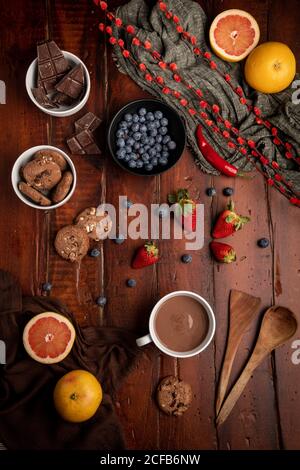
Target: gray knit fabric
<point x="152" y="24"/>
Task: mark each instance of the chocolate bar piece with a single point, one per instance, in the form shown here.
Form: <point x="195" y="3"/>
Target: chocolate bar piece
<point x="72" y="84"/>
<point x="83" y="144"/>
<point x="89" y="122"/>
<point x="62" y="99"/>
<point x="43" y="99"/>
<point x="52" y="65"/>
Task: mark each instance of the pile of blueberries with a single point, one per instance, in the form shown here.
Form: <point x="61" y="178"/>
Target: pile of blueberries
<point x="143" y="140"/>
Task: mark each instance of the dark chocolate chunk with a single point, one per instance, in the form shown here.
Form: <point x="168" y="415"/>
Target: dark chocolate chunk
<point x="62" y="99"/>
<point x="83" y="144"/>
<point x="72" y="84"/>
<point x="89" y="122"/>
<point x="43" y="99"/>
<point x="52" y="65"/>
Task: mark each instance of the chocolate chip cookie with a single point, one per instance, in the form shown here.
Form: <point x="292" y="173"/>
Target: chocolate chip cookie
<point x="42" y="174"/>
<point x="52" y="155"/>
<point x="174" y="396"/>
<point x="72" y="243"/>
<point x="96" y="224"/>
<point x="33" y="194"/>
<point x="63" y="187"/>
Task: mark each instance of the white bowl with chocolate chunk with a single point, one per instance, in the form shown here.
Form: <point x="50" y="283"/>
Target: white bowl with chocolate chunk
<point x="57" y="81"/>
<point x="44" y="177"/>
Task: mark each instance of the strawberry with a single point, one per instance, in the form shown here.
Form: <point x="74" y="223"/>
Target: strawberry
<point x="145" y="256"/>
<point x="187" y="208"/>
<point x="228" y="222"/>
<point x="223" y="252"/>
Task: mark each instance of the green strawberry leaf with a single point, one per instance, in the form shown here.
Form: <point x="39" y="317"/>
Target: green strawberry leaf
<point x="172" y="198"/>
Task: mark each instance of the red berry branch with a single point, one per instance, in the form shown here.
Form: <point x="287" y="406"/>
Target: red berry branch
<point x="289" y="152"/>
<point x="215" y="119"/>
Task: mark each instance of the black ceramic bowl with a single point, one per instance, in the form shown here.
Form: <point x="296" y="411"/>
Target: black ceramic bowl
<point x="176" y="130"/>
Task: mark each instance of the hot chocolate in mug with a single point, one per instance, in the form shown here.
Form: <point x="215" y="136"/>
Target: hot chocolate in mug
<point x="182" y="324"/>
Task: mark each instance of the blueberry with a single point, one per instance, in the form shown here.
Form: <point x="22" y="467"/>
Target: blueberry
<point x="263" y="243"/>
<point x="156" y="124"/>
<point x="135" y="127"/>
<point x="128" y="203"/>
<point x="94" y="253"/>
<point x="142" y="111"/>
<point x="131" y="282"/>
<point x="120" y="133"/>
<point x="149" y="167"/>
<point x="142" y="119"/>
<point x="128" y="117"/>
<point x="158" y="114"/>
<point x="46" y="287"/>
<point x="150" y="116"/>
<point x="135" y="118"/>
<point x="141" y="150"/>
<point x="154" y="161"/>
<point x="165" y="154"/>
<point x="166" y="139"/>
<point x="119" y="239"/>
<point x="143" y="128"/>
<point x="158" y="147"/>
<point x="228" y="191"/>
<point x="186" y="259"/>
<point x="136" y="146"/>
<point x="211" y="192"/>
<point x="139" y="163"/>
<point x="130" y="141"/>
<point x="165" y="148"/>
<point x="163" y="130"/>
<point x="152" y="152"/>
<point x="144" y="139"/>
<point x="137" y="136"/>
<point x="123" y="125"/>
<point x="120" y="142"/>
<point x="159" y="138"/>
<point x="147" y="147"/>
<point x="128" y="149"/>
<point x="151" y="126"/>
<point x="164" y="122"/>
<point x="127" y="157"/>
<point x="172" y="145"/>
<point x="101" y="301"/>
<point x="133" y="156"/>
<point x="132" y="164"/>
<point x="121" y="153"/>
<point x="151" y="141"/>
<point x="145" y="157"/>
<point x="163" y="161"/>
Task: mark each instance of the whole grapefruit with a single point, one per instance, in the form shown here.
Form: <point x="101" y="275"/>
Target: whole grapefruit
<point x="233" y="34"/>
<point x="270" y="67"/>
<point x="77" y="396"/>
<point x="48" y="337"/>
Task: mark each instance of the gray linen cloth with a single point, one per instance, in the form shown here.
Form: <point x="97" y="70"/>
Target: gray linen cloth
<point x="151" y="23"/>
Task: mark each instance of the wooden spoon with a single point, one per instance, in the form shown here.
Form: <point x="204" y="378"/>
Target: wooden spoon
<point x="278" y="325"/>
<point x="243" y="309"/>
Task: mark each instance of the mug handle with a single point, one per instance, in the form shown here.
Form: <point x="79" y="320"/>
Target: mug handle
<point x="144" y="340"/>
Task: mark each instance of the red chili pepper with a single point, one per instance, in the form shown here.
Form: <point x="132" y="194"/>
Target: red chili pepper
<point x="213" y="157"/>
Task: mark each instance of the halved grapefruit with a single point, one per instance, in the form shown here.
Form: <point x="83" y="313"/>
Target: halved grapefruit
<point x="233" y="34"/>
<point x="48" y="337"/>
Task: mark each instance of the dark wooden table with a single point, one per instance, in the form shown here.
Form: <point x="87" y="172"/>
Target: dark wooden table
<point x="268" y="414"/>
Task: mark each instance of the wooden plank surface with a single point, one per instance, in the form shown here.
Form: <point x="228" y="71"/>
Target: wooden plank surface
<point x="267" y="415"/>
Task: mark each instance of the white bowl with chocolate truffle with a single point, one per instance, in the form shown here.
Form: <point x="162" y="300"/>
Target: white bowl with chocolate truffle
<point x="44" y="177"/>
<point x="57" y="81"/>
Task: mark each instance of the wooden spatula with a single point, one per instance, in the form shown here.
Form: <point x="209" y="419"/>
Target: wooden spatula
<point x="279" y="324"/>
<point x="243" y="310"/>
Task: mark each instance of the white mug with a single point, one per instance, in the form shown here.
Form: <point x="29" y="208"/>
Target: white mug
<point x="152" y="336"/>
